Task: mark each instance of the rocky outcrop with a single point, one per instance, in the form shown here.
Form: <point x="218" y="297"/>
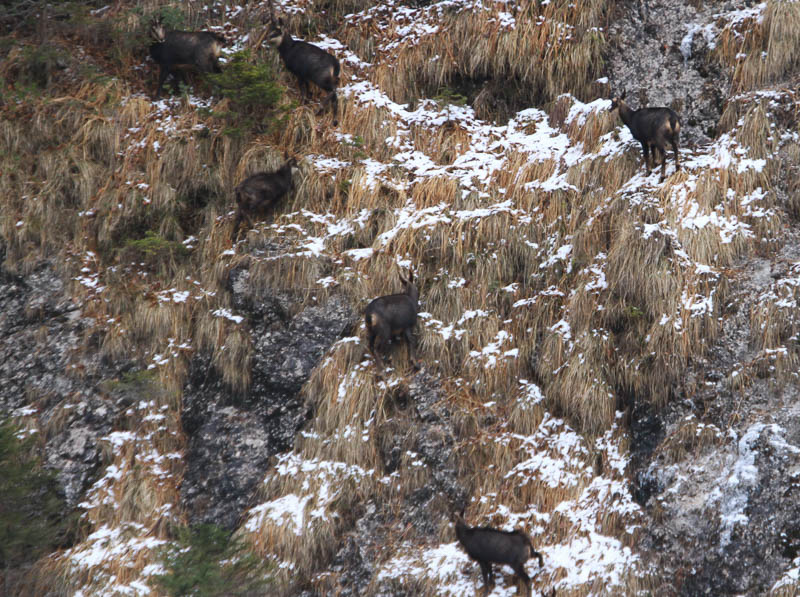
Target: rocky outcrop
<point x="723" y="499"/>
<point x="232" y="437"/>
<point x="426" y="430"/>
<point x="46" y="373"/>
<point x="662" y="57"/>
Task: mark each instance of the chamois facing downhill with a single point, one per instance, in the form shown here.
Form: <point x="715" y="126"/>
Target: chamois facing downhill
<point x="261" y="191"/>
<point x="653" y="128"/>
<point x="177" y="50"/>
<point x="307" y="63"/>
<point x="390" y="316"/>
<point x="486" y="545"/>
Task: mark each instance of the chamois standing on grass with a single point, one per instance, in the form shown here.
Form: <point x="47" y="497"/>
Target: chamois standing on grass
<point x="486" y="545"/>
<point x="307" y="63"/>
<point x="391" y="316"/>
<point x="653" y="128"/>
<point x="175" y="51"/>
<point x="261" y="191"/>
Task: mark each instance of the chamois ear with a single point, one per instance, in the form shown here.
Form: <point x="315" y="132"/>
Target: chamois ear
<point x="402" y="279"/>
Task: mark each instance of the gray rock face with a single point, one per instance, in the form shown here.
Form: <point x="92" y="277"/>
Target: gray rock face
<point x="232" y="437"/>
<point x="40" y="328"/>
<point x="659" y="60"/>
<point x="725" y="512"/>
<point x="424" y="427"/>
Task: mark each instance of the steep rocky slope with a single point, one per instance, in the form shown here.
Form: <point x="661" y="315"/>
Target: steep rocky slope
<point x="608" y="362"/>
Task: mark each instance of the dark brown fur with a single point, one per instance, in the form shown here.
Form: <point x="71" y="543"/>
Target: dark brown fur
<point x="653" y="128"/>
<point x="487" y="545"/>
<point x="260" y="192"/>
<point x="307" y="63"/>
<point x="391" y="316"/>
<point x="175" y="51"/>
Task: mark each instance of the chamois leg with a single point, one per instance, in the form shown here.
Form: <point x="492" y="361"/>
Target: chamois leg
<point x="330" y="98"/>
<point x="412" y="349"/>
<point x="646" y="157"/>
<point x="376" y="345"/>
<point x="663" y="151"/>
<point x="519" y="570"/>
<point x="335" y="107"/>
<point x="303" y="85"/>
<point x="488" y="580"/>
<point x="162" y="76"/>
<point x="674" y="143"/>
<point x="236" y="223"/>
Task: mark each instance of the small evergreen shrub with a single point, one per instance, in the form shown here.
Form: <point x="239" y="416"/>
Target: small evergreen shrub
<point x="207" y="561"/>
<point x="32" y="514"/>
<point x="172" y="17"/>
<point x="152" y="249"/>
<point x="253" y="93"/>
<point x="449" y="97"/>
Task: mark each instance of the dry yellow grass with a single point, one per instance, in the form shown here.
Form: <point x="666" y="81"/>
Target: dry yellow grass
<point x="615" y="318"/>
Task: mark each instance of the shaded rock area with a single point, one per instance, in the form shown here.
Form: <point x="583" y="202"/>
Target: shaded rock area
<point x="47" y="371"/>
<point x="662" y="58"/>
<point x="232" y="437"/>
<point x="725" y="498"/>
<point x="423" y="426"/>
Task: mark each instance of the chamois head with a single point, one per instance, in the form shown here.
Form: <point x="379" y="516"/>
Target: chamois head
<point x="157" y="31"/>
<point x="617" y="101"/>
<point x="275" y="33"/>
<point x="409" y="287"/>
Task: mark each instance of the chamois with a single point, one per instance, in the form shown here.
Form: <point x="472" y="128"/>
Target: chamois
<point x="177" y="50"/>
<point x="653" y="128"/>
<point x="260" y="191"/>
<point x="390" y="316"/>
<point x="307" y="63"/>
<point x="486" y="545"/>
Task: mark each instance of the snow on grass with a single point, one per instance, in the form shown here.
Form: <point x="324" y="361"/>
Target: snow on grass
<point x="554" y="455"/>
<point x="108" y="549"/>
<point x="322" y="482"/>
<point x="442" y="567"/>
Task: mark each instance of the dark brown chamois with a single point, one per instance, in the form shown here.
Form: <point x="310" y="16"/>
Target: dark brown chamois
<point x="390" y="316"/>
<point x="175" y="51"/>
<point x="261" y="191"/>
<point x="307" y="63"/>
<point x="486" y="545"/>
<point x="653" y="128"/>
